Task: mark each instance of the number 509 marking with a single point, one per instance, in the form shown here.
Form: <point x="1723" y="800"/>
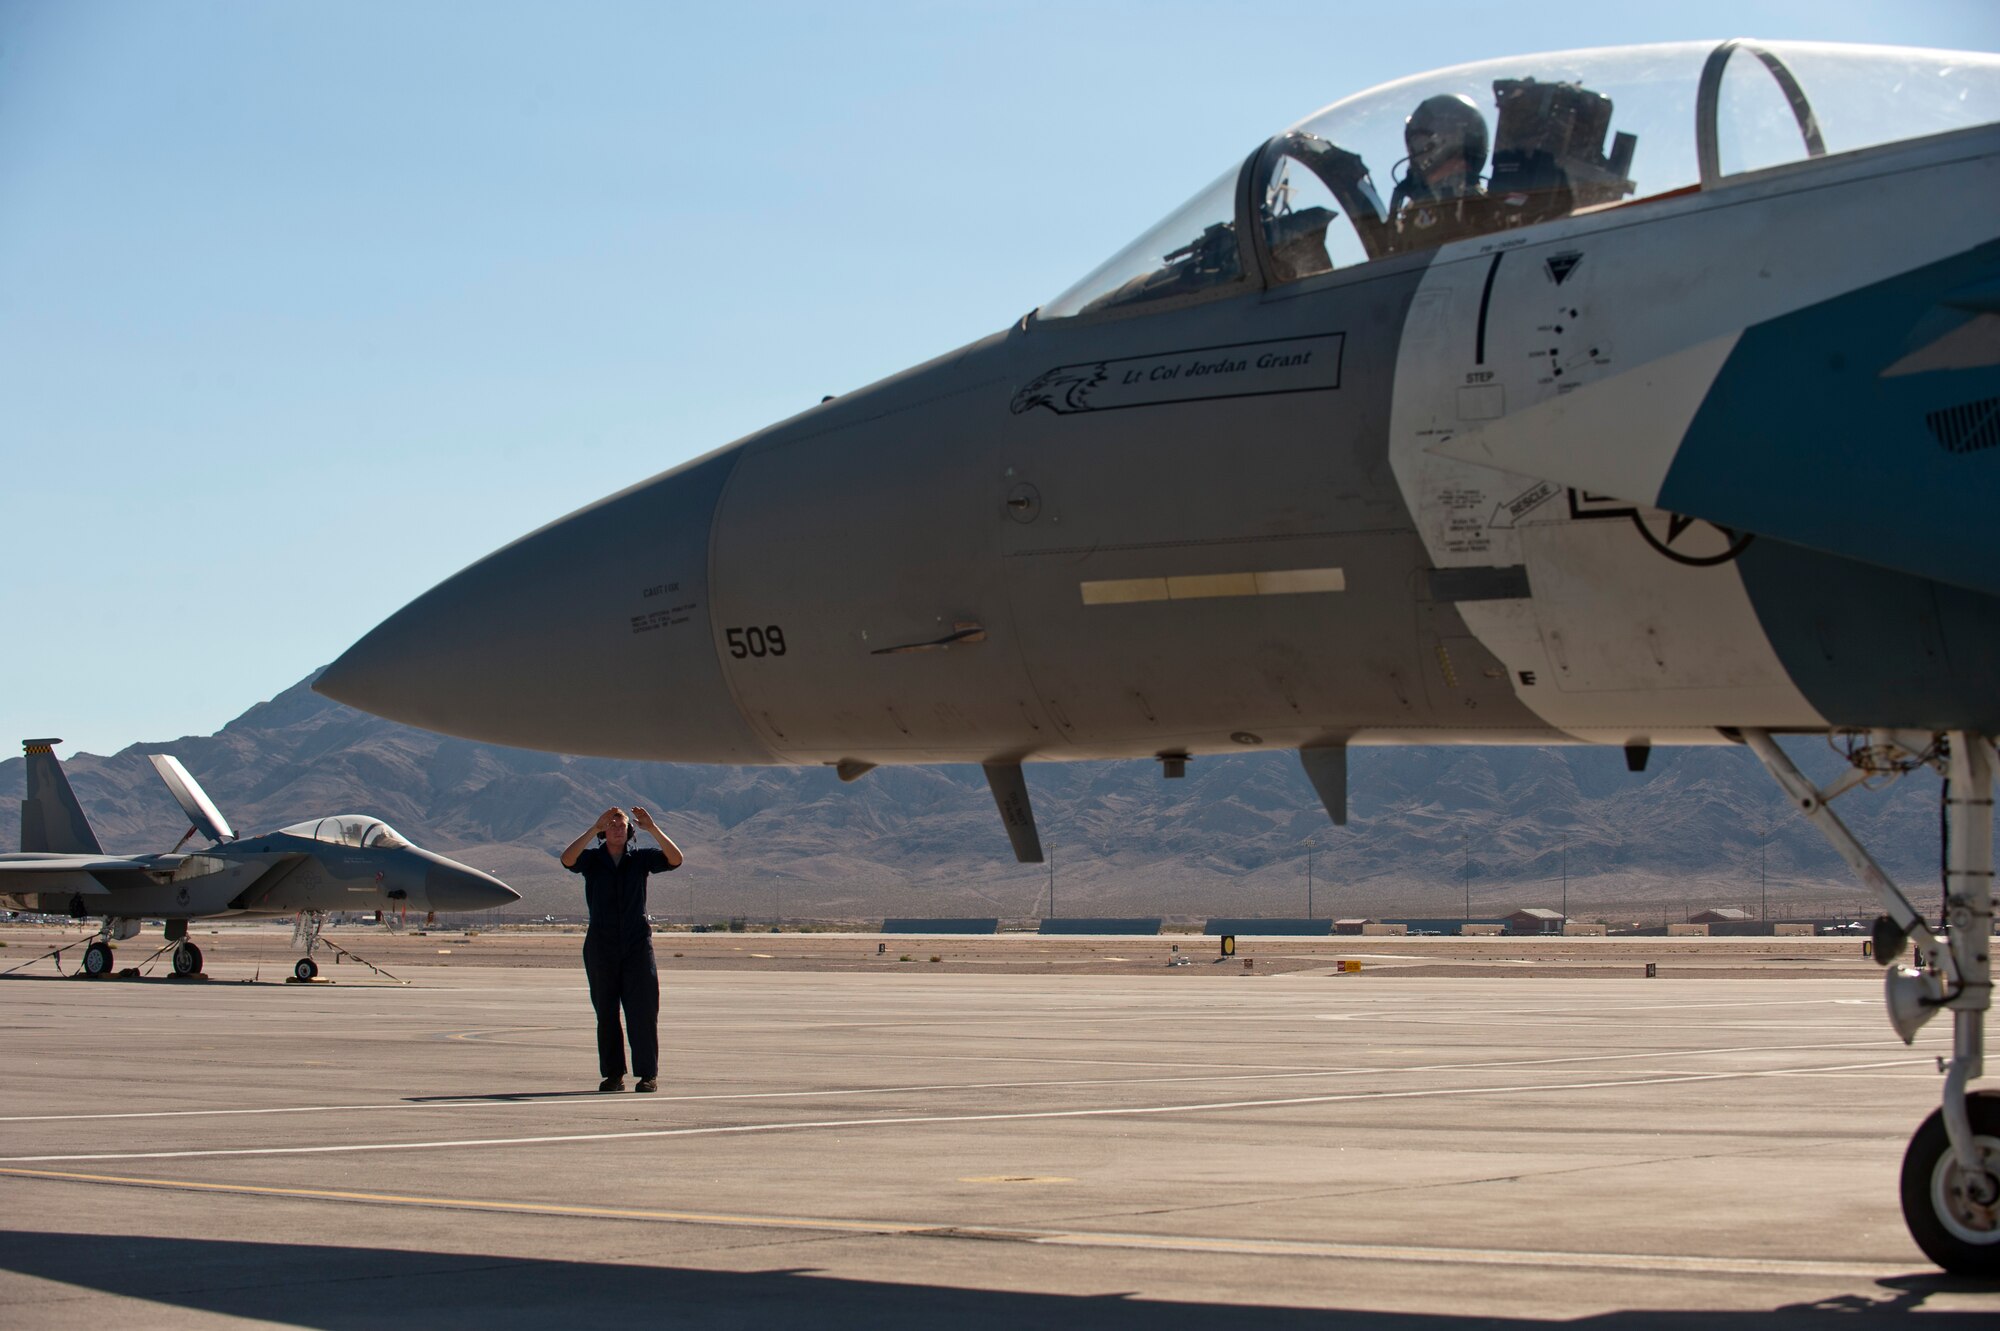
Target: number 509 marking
<point x="753" y="641"/>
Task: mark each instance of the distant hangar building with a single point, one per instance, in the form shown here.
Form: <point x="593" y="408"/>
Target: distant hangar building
<point x="1535" y="920"/>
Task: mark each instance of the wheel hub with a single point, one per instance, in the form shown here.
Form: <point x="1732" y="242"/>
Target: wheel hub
<point x="1968" y="1203"/>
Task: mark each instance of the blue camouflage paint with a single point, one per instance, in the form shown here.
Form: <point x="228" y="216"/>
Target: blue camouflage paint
<point x="1800" y="438"/>
<point x="1869" y="646"/>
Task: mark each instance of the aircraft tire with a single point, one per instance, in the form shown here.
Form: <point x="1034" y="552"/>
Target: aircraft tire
<point x="187" y="959"/>
<point x="97" y="959"/>
<point x="306" y="969"/>
<point x="1958" y="1234"/>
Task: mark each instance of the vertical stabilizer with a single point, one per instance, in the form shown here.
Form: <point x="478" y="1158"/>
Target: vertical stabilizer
<point x="51" y="819"/>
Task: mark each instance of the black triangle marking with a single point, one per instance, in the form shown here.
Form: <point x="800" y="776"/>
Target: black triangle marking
<point x="1560" y="266"/>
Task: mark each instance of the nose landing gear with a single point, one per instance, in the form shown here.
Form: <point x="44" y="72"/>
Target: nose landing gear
<point x="1954" y="1213"/>
<point x="305" y="937"/>
<point x="1951" y="1172"/>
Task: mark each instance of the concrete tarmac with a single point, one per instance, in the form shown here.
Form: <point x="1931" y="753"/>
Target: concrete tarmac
<point x="981" y="1147"/>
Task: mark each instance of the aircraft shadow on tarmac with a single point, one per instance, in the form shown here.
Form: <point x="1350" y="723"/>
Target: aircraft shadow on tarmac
<point x="314" y="1285"/>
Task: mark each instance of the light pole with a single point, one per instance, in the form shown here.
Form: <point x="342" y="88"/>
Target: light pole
<point x="1565" y="884"/>
<point x="1467" y="838"/>
<point x="1763" y="901"/>
<point x="1309" y="878"/>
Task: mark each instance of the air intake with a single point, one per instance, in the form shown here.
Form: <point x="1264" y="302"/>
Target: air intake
<point x="1968" y="428"/>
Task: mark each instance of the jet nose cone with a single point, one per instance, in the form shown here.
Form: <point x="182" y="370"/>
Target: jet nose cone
<point x="449" y="885"/>
<point x="591" y="636"/>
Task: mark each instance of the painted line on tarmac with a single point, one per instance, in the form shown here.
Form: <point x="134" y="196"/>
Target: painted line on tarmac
<point x="1186" y="1243"/>
<point x="1389" y="1009"/>
<point x="920" y="1120"/>
<point x="474" y="1204"/>
<point x="1586" y="1261"/>
<point x="578" y="1099"/>
<point x="1430" y="1013"/>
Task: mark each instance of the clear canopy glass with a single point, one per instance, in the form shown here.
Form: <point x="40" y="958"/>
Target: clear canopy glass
<point x="1194" y="249"/>
<point x="1501" y="144"/>
<point x="349" y="829"/>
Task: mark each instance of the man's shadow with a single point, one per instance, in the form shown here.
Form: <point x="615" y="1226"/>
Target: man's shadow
<point x="509" y="1097"/>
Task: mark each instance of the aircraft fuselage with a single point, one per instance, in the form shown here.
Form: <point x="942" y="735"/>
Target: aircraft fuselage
<point x="1330" y="511"/>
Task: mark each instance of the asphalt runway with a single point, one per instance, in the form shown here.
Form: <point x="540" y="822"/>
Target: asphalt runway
<point x="963" y="1149"/>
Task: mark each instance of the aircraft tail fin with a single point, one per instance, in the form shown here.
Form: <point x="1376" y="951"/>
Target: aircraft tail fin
<point x="51" y="819"/>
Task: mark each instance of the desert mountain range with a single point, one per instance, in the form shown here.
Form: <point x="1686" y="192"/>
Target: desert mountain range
<point x="1231" y="838"/>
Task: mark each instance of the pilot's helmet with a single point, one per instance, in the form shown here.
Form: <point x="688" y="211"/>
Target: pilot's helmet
<point x="1442" y="128"/>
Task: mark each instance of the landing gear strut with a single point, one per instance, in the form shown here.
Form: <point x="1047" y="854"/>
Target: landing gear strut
<point x="1951" y="1173"/>
<point x="305" y="937"/>
<point x="187" y="957"/>
<point x="97" y="958"/>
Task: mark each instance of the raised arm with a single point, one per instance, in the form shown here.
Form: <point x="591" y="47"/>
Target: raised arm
<point x="645" y="820"/>
<point x="575" y="848"/>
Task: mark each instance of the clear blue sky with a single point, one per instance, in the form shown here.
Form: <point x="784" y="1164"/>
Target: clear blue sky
<point x="304" y="306"/>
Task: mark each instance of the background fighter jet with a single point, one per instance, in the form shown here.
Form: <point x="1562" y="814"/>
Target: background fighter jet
<point x="346" y="862"/>
<point x="1659" y="405"/>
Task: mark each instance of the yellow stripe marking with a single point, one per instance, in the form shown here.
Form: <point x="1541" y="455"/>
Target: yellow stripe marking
<point x="1203" y="586"/>
<point x="1124" y="591"/>
<point x="1211" y="586"/>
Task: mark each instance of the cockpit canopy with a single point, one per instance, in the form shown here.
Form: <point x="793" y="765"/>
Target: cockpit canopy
<point x="349" y="829"/>
<point x="1502" y="144"/>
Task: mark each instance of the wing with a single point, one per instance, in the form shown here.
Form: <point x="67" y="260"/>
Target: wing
<point x="13" y="865"/>
<point x="53" y="875"/>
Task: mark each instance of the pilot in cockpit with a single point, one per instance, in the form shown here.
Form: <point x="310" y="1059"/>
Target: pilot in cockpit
<point x="1440" y="197"/>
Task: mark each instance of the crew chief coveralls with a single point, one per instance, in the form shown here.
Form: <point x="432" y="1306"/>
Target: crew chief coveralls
<point x="618" y="955"/>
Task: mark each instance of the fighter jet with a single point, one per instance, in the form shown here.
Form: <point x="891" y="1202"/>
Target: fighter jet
<point x="346" y="862"/>
<point x="1658" y="404"/>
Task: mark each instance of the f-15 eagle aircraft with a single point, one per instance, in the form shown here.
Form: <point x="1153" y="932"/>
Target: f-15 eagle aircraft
<point x="1659" y="403"/>
<point x="347" y="862"/>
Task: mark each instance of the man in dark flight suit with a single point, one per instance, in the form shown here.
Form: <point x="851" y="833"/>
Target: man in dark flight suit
<point x="618" y="947"/>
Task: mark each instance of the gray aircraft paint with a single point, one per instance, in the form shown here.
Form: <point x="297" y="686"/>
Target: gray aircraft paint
<point x="635" y="671"/>
<point x="1336" y="510"/>
<point x="51" y="819"/>
<point x="278" y="873"/>
<point x="1122" y="482"/>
